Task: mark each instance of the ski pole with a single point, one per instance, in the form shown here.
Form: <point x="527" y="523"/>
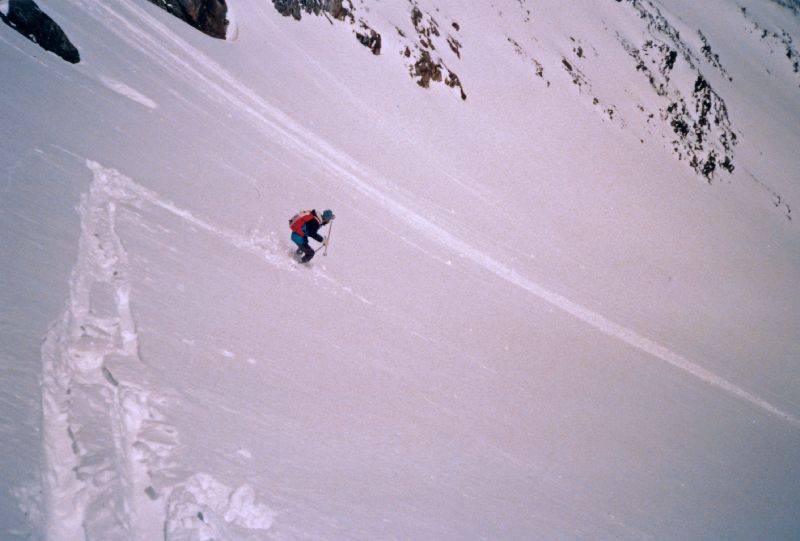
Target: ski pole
<point x="327" y="241"/>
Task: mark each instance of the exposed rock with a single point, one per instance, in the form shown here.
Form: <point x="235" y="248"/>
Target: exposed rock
<point x="704" y="132"/>
<point x="453" y="81"/>
<point x="426" y="65"/>
<point x="419" y="48"/>
<point x="26" y="18"/>
<point x="696" y="113"/>
<point x="711" y="56"/>
<point x="426" y="27"/>
<point x="426" y="69"/>
<point x="578" y="78"/>
<point x="370" y="39"/>
<point x="455" y="45"/>
<point x="295" y="8"/>
<point x="655" y="59"/>
<point x="335" y="8"/>
<point x="524" y="54"/>
<point x="773" y="37"/>
<point x="208" y="16"/>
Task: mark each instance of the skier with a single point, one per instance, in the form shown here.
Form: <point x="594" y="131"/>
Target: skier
<point x="306" y="224"/>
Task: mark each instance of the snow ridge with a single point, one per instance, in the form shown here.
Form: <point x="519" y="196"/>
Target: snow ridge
<point x="115" y="437"/>
<point x="110" y="466"/>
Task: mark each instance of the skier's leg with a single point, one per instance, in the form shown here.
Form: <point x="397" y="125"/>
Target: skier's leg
<point x="299" y="240"/>
<point x="308" y="251"/>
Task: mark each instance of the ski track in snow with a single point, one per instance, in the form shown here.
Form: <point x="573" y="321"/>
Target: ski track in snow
<point x="224" y="87"/>
<point x="110" y="471"/>
<point x="126" y="189"/>
<point x="124" y="90"/>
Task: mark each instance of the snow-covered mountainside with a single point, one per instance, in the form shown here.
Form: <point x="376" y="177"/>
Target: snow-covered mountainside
<point x="559" y="300"/>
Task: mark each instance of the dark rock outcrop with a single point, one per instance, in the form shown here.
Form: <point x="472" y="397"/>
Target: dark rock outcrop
<point x="698" y="116"/>
<point x="427" y="70"/>
<point x="295" y="8"/>
<point x="367" y="36"/>
<point x="424" y="65"/>
<point x="26" y="18"/>
<point x="208" y="16"/>
<point x="370" y="39"/>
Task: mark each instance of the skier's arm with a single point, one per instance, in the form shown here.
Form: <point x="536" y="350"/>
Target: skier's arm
<point x="312" y="229"/>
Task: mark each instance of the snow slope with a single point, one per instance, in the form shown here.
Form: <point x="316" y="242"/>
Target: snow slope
<point x="536" y="320"/>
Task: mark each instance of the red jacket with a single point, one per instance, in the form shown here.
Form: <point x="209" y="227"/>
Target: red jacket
<point x="307" y="223"/>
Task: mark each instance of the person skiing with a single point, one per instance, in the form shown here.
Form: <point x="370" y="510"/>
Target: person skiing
<point x="306" y="224"/>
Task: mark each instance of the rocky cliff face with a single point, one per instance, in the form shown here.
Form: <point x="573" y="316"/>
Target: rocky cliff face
<point x="208" y="16"/>
<point x="695" y="112"/>
<point x="426" y="64"/>
<point x="26" y="18"/>
<point x="295" y="8"/>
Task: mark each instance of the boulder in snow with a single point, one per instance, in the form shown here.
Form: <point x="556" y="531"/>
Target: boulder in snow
<point x="208" y="16"/>
<point x="26" y="18"/>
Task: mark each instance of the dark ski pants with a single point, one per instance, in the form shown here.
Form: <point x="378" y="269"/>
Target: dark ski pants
<point x="303" y="247"/>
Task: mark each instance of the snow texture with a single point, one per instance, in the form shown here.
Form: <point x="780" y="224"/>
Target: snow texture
<point x="560" y="301"/>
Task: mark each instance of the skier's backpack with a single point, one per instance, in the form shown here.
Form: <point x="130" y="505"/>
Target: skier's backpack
<point x="300" y="219"/>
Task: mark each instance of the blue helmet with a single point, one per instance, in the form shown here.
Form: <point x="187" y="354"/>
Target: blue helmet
<point x="328" y="215"/>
